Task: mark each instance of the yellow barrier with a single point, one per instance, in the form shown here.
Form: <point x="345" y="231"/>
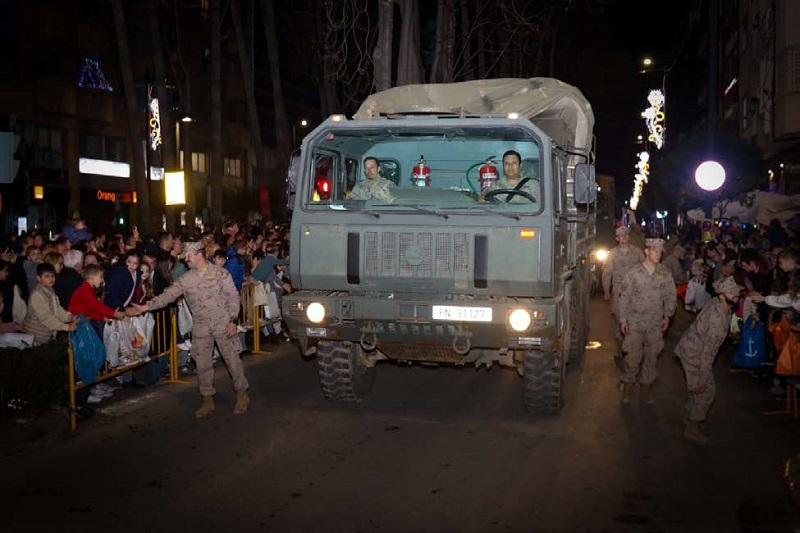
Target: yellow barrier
<point x="163" y="344"/>
<point x="253" y="316"/>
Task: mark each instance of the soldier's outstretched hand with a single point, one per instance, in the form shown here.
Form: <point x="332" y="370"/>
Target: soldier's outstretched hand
<point x="230" y="330"/>
<point x="136" y="310"/>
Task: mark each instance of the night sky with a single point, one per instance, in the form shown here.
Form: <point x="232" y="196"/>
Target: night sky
<point x="602" y="56"/>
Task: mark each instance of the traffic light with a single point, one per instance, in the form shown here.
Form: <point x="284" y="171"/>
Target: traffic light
<point x="9" y="161"/>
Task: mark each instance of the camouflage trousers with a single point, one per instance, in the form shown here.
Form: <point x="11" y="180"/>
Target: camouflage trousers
<point x="697" y="403"/>
<point x="642" y="348"/>
<point x="202" y="350"/>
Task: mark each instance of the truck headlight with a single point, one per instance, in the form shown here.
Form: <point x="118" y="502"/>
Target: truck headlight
<point x="601" y="254"/>
<point x="315" y="312"/>
<point x="519" y="320"/>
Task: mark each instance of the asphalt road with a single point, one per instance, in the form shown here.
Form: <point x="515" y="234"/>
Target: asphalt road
<point x="432" y="449"/>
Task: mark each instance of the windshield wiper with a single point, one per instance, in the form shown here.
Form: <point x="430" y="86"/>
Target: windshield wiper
<point x="487" y="210"/>
<point x="418" y="208"/>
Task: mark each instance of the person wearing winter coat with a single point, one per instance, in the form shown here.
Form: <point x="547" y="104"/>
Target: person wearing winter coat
<point x="45" y="315"/>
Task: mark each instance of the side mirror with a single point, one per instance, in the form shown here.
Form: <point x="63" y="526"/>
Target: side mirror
<point x="585" y="185"/>
<point x="292" y="175"/>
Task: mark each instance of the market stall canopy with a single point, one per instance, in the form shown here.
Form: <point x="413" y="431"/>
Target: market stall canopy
<point x="765" y="207"/>
<point x="558" y="108"/>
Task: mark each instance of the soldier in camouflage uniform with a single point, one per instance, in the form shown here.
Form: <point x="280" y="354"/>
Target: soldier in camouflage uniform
<point x="697" y="350"/>
<point x="374" y="186"/>
<point x="621" y="259"/>
<point x="512" y="176"/>
<point x="214" y="302"/>
<point x="646" y="304"/>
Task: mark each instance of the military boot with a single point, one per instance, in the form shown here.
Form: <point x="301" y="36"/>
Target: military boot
<point x="626" y="393"/>
<point x="242" y="401"/>
<point x="206" y="408"/>
<point x="694" y="433"/>
<point x="646" y="393"/>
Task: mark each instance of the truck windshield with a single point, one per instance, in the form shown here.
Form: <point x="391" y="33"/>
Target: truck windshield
<point x="426" y="170"/>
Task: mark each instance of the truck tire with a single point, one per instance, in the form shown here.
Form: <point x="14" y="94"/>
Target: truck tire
<point x="343" y="374"/>
<point x="543" y="379"/>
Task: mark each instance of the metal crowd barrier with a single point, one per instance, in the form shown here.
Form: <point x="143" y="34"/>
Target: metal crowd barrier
<point x="253" y="317"/>
<point x="162" y="344"/>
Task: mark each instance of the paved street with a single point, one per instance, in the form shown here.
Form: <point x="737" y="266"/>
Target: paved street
<point x="433" y="449"/>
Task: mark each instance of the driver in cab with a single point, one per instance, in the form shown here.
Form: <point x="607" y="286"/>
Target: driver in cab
<point x="512" y="180"/>
<point x="375" y="186"/>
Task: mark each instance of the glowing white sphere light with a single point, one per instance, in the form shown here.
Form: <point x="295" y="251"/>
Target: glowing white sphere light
<point x="709" y="175"/>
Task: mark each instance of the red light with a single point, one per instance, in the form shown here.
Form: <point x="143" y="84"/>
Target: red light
<point x="323" y="187"/>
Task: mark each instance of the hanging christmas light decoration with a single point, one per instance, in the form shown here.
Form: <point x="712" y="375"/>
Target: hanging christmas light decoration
<point x="92" y="76"/>
<point x="654" y="117"/>
<point x="643" y="170"/>
<point x="155" y="124"/>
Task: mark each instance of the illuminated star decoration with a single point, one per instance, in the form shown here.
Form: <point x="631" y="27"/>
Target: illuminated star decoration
<point x="654" y="117"/>
<point x="92" y="76"/>
<point x="643" y="170"/>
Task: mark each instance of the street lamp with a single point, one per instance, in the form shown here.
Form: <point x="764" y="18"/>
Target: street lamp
<point x="303" y="124"/>
<point x="709" y="175"/>
<point x="647" y="62"/>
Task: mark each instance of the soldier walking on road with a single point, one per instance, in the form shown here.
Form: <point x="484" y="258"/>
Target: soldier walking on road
<point x="646" y="305"/>
<point x="621" y="259"/>
<point x="697" y="350"/>
<point x="214" y="301"/>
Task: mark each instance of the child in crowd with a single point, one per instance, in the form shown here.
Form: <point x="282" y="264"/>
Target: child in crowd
<point x="85" y="302"/>
<point x="144" y="292"/>
<point x="220" y="258"/>
<point x="45" y="316"/>
<point x="33" y="256"/>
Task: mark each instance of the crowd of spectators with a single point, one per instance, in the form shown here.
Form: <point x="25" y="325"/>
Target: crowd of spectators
<point x="764" y="260"/>
<point x="99" y="277"/>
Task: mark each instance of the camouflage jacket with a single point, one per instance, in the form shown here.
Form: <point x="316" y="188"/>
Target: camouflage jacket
<point x="645" y="299"/>
<point x="377" y="188"/>
<point x="211" y="295"/>
<point x="618" y="263"/>
<point x="699" y="344"/>
<point x="674" y="265"/>
<point x="531" y="187"/>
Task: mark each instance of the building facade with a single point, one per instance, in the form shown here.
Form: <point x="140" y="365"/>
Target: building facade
<point x="62" y="96"/>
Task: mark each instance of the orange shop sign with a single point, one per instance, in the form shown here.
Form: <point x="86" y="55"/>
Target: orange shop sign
<point x="109" y="196"/>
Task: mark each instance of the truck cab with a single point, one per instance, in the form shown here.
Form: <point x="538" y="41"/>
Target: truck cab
<point x="444" y="264"/>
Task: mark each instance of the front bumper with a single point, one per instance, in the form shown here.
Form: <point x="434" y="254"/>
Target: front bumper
<point x="376" y="320"/>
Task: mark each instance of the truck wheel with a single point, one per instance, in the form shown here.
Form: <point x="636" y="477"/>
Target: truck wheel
<point x="343" y="374"/>
<point x="543" y="382"/>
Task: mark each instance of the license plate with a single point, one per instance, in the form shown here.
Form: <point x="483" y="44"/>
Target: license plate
<point x="316" y="332"/>
<point x="461" y="314"/>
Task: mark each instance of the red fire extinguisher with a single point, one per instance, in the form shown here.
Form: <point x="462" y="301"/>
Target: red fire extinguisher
<point x="488" y="174"/>
<point x="422" y="174"/>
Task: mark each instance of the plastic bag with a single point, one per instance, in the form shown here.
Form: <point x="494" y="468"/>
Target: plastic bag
<point x="260" y="294"/>
<point x="752" y="349"/>
<point x="136" y="332"/>
<point x="789" y="360"/>
<point x="185" y="320"/>
<point x="88" y="351"/>
<point x="272" y="310"/>
<point x="111" y="339"/>
<point x="19" y="308"/>
<point x="780" y="333"/>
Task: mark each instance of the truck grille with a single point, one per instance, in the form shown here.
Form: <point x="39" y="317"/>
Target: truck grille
<point x="419" y="255"/>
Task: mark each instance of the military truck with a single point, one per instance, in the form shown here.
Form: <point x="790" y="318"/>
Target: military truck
<point x="444" y="270"/>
